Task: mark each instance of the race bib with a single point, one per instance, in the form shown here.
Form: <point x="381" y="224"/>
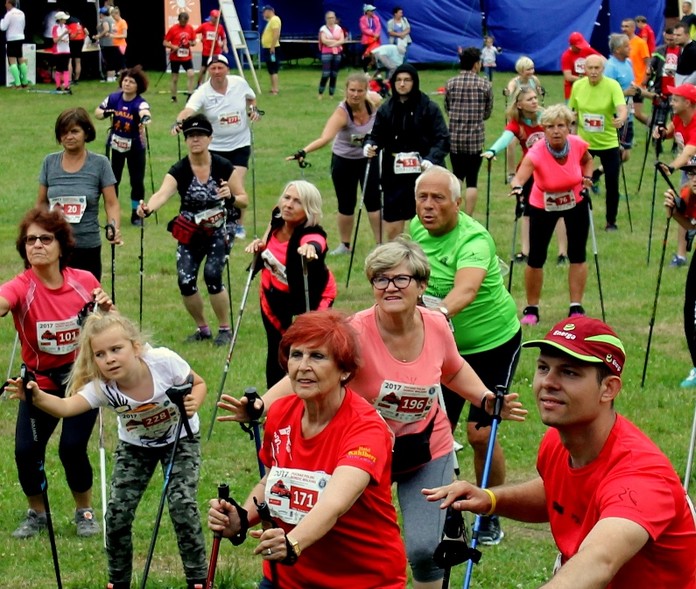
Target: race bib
<point x="580" y="66"/>
<point x="122" y="144"/>
<point x="183" y="52"/>
<point x="533" y="138"/>
<point x="150" y="421"/>
<point x="431" y="301"/>
<point x="233" y="119"/>
<point x="405" y="403"/>
<point x="276" y="268"/>
<point x="211" y="218"/>
<point x="210" y="36"/>
<point x="593" y="123"/>
<point x="555" y="202"/>
<point x="291" y="493"/>
<point x="407" y="163"/>
<point x="57" y="337"/>
<point x="73" y="207"/>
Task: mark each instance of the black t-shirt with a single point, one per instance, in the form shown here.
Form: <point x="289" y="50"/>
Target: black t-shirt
<point x="686" y="65"/>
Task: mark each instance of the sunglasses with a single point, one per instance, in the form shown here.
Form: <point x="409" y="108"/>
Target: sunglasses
<point x="44" y="238"/>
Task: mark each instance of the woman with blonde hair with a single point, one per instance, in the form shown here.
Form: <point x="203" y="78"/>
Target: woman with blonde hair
<point x="524" y="124"/>
<point x="291" y="259"/>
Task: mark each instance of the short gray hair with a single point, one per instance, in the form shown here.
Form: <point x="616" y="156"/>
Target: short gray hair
<point x="455" y="185"/>
<point x="616" y="40"/>
<point x="389" y="255"/>
<point x="556" y="112"/>
<point x="310" y="197"/>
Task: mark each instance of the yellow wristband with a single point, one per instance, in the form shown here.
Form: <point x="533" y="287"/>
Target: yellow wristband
<point x="494" y="501"/>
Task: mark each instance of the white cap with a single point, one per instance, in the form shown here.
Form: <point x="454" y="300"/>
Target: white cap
<point x="368" y="7"/>
<point x="62" y="15"/>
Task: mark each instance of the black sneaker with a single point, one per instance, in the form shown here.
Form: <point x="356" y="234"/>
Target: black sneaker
<point x="199" y="336"/>
<point x="576" y="311"/>
<point x="136" y="221"/>
<point x="32" y="524"/>
<point x="520" y="257"/>
<point x="223" y="337"/>
<point x="562" y="260"/>
<point x="611" y="227"/>
<point x="173" y="99"/>
<point x="490" y="532"/>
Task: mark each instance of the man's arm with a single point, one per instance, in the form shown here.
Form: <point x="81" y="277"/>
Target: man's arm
<point x="611" y="544"/>
<point x="467" y="282"/>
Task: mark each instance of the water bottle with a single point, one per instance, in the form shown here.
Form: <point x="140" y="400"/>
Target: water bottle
<point x="273" y="57"/>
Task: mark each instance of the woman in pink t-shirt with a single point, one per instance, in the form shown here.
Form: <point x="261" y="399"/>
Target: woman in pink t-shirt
<point x="562" y="168"/>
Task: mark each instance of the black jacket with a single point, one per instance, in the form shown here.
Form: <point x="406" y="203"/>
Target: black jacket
<point x="414" y="125"/>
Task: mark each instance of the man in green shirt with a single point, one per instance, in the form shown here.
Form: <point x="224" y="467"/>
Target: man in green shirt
<point x="466" y="286"/>
<point x="601" y="109"/>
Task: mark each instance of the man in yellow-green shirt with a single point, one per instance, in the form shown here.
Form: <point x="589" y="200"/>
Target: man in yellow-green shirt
<point x="270" y="42"/>
<point x="601" y="110"/>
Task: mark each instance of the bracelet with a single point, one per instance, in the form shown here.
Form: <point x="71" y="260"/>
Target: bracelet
<point x="494" y="501"/>
<point x="587" y="177"/>
<point x="483" y="400"/>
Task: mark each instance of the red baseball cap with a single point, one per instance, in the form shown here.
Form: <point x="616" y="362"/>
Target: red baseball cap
<point x="587" y="339"/>
<point x="687" y="91"/>
<point x="578" y="40"/>
<point x="214" y="13"/>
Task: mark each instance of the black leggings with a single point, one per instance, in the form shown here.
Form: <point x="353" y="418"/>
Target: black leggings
<point x="72" y="448"/>
<point x="274" y="373"/>
<point x="611" y="162"/>
<point x="330" y="64"/>
<point x="690" y="310"/>
<point x="346" y="175"/>
<point x="190" y="257"/>
<point x="541" y="228"/>
<point x="136" y="170"/>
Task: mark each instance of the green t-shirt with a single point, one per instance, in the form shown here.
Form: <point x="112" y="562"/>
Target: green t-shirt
<point x="491" y="318"/>
<point x="596" y="107"/>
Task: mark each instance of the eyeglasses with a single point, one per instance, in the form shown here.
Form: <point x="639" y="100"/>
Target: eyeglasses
<point x="691" y="174"/>
<point x="400" y="281"/>
<point x="44" y="238"/>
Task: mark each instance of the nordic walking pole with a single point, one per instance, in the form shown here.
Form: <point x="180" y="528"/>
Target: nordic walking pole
<point x="253" y="428"/>
<point x="519" y="211"/>
<point x="474" y="554"/>
<point x="647" y="147"/>
<point x="235" y="334"/>
<point x="690" y="456"/>
<point x="305" y="283"/>
<point x="267" y="523"/>
<point x="586" y="194"/>
<point x="223" y="493"/>
<point x="102" y="471"/>
<point x="505" y="94"/>
<point x="488" y="191"/>
<point x="677" y="199"/>
<point x="628" y="200"/>
<point x="357" y="222"/>
<point x="110" y="236"/>
<point x="658" y="153"/>
<point x="141" y="271"/>
<point x="176" y="395"/>
<point x="253" y="179"/>
<point x="9" y="367"/>
<point x="149" y="160"/>
<point x="28" y="377"/>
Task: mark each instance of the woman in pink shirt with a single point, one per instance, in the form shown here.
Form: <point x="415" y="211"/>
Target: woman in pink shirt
<point x="370" y="29"/>
<point x="331" y="40"/>
<point x="562" y="167"/>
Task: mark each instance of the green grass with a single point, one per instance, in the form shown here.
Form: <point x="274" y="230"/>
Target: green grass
<point x="292" y="119"/>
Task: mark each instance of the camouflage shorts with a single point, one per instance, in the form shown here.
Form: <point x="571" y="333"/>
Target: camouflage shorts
<point x="133" y="469"/>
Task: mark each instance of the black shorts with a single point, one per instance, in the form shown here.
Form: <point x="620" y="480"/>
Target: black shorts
<point x="61" y="61"/>
<point x="272" y="65"/>
<point x="239" y="157"/>
<point x="14" y="49"/>
<point x="466" y="166"/>
<point x="181" y="65"/>
<point x="76" y="48"/>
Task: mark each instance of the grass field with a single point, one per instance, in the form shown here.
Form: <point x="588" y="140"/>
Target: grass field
<point x="292" y="119"/>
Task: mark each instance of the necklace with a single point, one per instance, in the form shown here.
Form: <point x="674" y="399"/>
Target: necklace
<point x="560" y="153"/>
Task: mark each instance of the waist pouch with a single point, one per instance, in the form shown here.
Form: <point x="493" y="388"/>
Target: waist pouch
<point x="186" y="231"/>
<point x="412" y="450"/>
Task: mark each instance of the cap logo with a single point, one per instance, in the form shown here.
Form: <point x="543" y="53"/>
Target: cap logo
<point x="609" y="358"/>
<point x="565" y="334"/>
<point x="569" y="326"/>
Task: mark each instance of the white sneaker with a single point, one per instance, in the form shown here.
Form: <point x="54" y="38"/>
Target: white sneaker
<point x="340" y="250"/>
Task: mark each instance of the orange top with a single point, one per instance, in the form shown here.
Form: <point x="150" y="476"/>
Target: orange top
<point x="638" y="55"/>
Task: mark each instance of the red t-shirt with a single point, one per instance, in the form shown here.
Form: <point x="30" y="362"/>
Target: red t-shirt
<point x="46" y="319"/>
<point x="77" y="31"/>
<point x="690" y="201"/>
<point x="575" y="63"/>
<point x="684" y="134"/>
<point x="630" y="479"/>
<point x="670" y="66"/>
<point x="526" y="134"/>
<point x="364" y="548"/>
<point x="182" y="38"/>
<point x="207" y="32"/>
<point x="648" y="35"/>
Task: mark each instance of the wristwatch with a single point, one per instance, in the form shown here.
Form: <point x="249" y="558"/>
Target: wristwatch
<point x="444" y="311"/>
<point x="293" y="550"/>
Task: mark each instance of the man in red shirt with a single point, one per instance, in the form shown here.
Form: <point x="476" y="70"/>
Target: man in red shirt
<point x="180" y="38"/>
<point x="646" y="32"/>
<point x="683" y="129"/>
<point x="617" y="511"/>
<point x="573" y="61"/>
<point x="214" y="41"/>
